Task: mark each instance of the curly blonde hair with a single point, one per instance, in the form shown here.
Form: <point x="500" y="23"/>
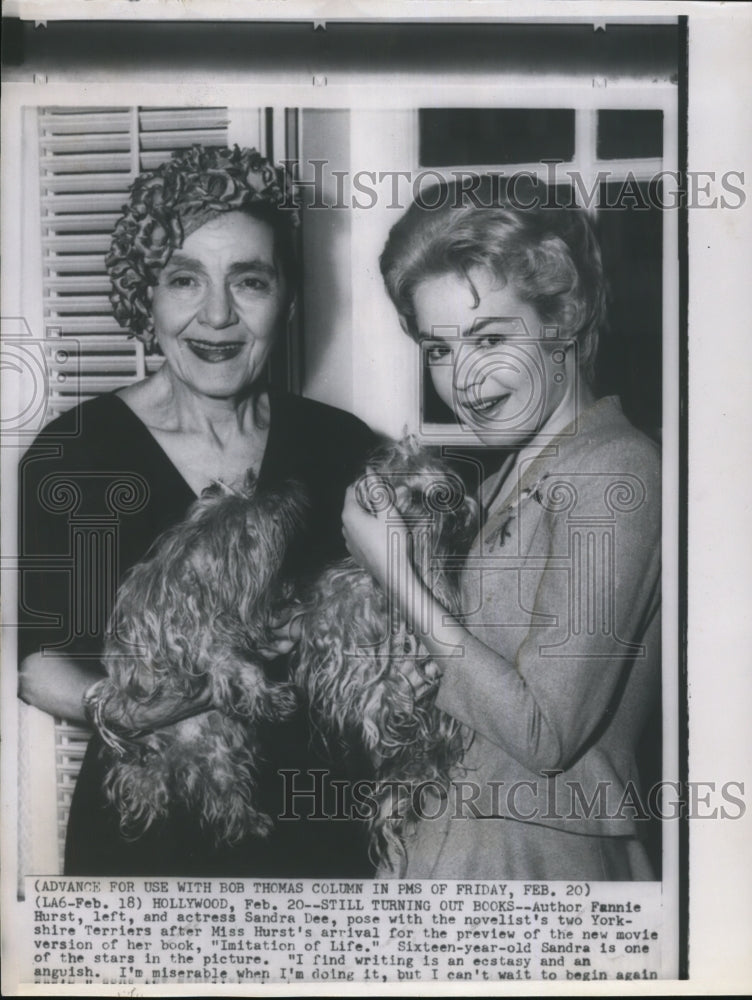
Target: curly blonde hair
<point x="549" y="253"/>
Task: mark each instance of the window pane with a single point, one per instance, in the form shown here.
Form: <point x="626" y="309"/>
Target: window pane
<point x="490" y="136"/>
<point x="433" y="409"/>
<point x="628" y="134"/>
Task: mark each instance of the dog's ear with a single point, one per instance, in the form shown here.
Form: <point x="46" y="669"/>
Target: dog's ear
<point x="283" y="511"/>
<point x="293" y="508"/>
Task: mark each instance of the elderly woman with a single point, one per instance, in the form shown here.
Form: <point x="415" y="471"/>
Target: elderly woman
<point x="554" y="664"/>
<point x="203" y="268"/>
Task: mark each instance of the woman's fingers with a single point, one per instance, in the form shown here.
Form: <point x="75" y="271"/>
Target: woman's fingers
<point x="284" y="634"/>
<point x="289" y="623"/>
<point x="431" y="670"/>
<point x="421" y="674"/>
<point x="282" y="640"/>
<point x="274" y="650"/>
<point x="418" y="683"/>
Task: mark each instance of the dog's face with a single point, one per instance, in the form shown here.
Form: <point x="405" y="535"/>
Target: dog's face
<point x="234" y="546"/>
<point x="208" y="583"/>
<point x="432" y="500"/>
<point x="188" y="620"/>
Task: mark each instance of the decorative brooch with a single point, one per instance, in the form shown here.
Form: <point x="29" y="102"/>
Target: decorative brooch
<point x="500" y="534"/>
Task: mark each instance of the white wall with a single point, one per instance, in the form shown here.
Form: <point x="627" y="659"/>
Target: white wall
<point x="356" y="355"/>
<point x="327" y="296"/>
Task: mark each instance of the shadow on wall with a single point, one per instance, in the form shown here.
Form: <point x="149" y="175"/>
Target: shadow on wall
<point x="326" y="307"/>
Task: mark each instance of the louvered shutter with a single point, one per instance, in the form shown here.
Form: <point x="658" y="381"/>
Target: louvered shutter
<point x="88" y="159"/>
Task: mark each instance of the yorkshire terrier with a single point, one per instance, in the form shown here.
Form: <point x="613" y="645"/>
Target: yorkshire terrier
<point x="188" y="623"/>
<point x="348" y="659"/>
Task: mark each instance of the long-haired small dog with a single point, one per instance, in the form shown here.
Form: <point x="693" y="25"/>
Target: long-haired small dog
<point x="352" y="644"/>
<point x="187" y="624"/>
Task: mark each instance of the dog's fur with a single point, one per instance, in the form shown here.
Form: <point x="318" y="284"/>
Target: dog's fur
<point x="189" y="620"/>
<point x="347" y="662"/>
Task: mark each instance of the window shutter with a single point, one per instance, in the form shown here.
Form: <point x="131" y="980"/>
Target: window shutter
<point x="88" y="159"/>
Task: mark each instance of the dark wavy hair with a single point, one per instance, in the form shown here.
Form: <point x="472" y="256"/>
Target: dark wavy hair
<point x="550" y="254"/>
<point x="169" y="203"/>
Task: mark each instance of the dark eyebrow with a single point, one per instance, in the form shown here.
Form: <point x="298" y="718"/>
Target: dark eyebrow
<point x="179" y="259"/>
<point x="255" y="264"/>
<point x="475" y="327"/>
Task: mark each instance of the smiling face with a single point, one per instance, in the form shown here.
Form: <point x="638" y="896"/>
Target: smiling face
<point x="218" y="305"/>
<point x="489" y="359"/>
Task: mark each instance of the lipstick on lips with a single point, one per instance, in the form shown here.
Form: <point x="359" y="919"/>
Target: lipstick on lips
<point x="479" y="407"/>
<point x="215" y="353"/>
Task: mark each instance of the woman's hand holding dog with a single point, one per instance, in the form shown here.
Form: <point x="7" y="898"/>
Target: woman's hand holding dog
<point x="146" y="716"/>
<point x="380" y="542"/>
<point x="370" y="540"/>
<point x="284" y="634"/>
<point x="370" y="537"/>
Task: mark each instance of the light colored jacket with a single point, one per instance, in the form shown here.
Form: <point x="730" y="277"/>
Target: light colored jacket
<point x="563" y="582"/>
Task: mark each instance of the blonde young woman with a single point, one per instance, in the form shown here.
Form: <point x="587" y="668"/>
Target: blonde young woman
<point x="554" y="665"/>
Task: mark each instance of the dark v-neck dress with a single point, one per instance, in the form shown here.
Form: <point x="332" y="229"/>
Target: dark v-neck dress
<point x="96" y="490"/>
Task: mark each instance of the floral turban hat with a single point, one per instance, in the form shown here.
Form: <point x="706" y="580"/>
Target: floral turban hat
<point x="167" y="204"/>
